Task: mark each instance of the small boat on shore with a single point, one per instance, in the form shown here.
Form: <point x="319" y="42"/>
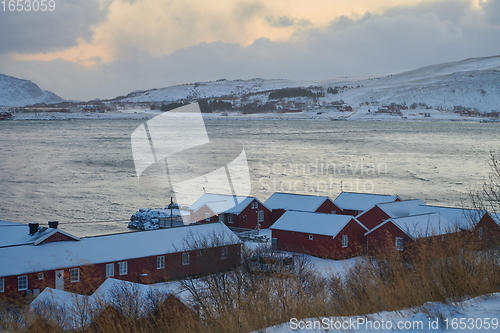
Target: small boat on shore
<point x="5" y="115"/>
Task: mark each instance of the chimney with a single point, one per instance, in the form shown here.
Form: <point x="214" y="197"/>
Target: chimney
<point x="33" y="228"/>
<point x="53" y="224"/>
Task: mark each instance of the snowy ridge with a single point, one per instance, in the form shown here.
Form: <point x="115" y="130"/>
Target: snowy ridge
<point x="470" y="83"/>
<point x="18" y="92"/>
<point x="219" y="88"/>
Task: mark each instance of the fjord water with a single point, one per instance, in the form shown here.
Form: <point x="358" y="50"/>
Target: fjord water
<point x="79" y="171"/>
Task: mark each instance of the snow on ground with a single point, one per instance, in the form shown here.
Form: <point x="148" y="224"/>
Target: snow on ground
<point x="480" y="314"/>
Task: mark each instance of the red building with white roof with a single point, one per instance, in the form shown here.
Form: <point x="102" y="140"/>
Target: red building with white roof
<point x="351" y="203"/>
<point x="384" y="211"/>
<point x="318" y="234"/>
<point x="234" y="211"/>
<point x="279" y="203"/>
<point x="82" y="264"/>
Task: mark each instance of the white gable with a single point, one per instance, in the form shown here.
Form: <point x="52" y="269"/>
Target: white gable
<point x="288" y="201"/>
<point x="312" y="223"/>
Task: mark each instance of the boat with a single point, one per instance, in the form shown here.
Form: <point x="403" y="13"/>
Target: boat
<point x="4" y="115"/>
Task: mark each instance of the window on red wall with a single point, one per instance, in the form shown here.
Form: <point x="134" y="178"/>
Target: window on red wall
<point x="22" y="282"/>
<point x="311" y="237"/>
<point x="255" y="205"/>
<point x="160" y="262"/>
<point x="123" y="267"/>
<point x="223" y="253"/>
<point x="345" y="241"/>
<point x="74" y="274"/>
<point x="185" y="258"/>
<point x="2" y="285"/>
<point x="400" y="243"/>
<point x="260" y="216"/>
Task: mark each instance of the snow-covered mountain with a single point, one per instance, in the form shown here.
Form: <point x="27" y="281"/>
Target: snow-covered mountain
<point x="18" y="92"/>
<point x="218" y="89"/>
<point x="471" y="83"/>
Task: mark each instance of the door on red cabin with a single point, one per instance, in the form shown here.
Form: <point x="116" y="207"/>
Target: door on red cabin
<point x="60" y="279"/>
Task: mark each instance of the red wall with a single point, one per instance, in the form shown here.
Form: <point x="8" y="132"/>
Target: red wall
<point x="373" y="217"/>
<point x="199" y="215"/>
<point x="248" y="217"/>
<point x="382" y="241"/>
<point x="92" y="276"/>
<point x="490" y="231"/>
<point x="328" y="207"/>
<point x="322" y="245"/>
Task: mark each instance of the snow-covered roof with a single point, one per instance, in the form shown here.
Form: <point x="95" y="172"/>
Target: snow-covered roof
<point x="242" y="205"/>
<point x="361" y="201"/>
<point x="425" y="225"/>
<point x="218" y="203"/>
<point x="291" y="201"/>
<point x="400" y="208"/>
<point x="74" y="311"/>
<point x="109" y="248"/>
<point x="462" y="218"/>
<point x="13" y="234"/>
<point x="312" y="223"/>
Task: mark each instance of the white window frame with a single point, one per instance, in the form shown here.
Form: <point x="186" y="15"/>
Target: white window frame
<point x="230" y="218"/>
<point x="41" y="276"/>
<point x="480" y="233"/>
<point x="255" y="205"/>
<point x="207" y="216"/>
<point x="24" y="284"/>
<point x="74" y="275"/>
<point x="110" y="270"/>
<point x="400" y="243"/>
<point x="123" y="267"/>
<point x="224" y="251"/>
<point x="160" y="262"/>
<point x="2" y="285"/>
<point x="260" y="216"/>
<point x="345" y="241"/>
<point x="185" y="258"/>
<point x="311" y="237"/>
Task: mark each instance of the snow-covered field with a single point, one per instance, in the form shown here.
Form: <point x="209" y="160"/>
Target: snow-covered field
<point x="480" y="314"/>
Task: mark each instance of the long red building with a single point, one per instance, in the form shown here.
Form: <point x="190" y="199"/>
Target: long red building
<point x="82" y="264"/>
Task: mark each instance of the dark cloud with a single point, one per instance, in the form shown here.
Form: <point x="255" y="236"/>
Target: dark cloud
<point x="31" y="32"/>
<point x="245" y="10"/>
<point x="285" y="21"/>
<point x="401" y="39"/>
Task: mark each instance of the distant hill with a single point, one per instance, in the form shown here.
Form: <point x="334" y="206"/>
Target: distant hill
<point x="19" y="92"/>
<point x="470" y="83"/>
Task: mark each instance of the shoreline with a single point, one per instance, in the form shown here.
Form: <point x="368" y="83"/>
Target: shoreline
<point x="359" y="115"/>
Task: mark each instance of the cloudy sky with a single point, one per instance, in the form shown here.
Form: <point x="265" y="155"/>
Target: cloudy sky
<point x="88" y="49"/>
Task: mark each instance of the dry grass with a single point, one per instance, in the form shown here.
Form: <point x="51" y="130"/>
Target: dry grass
<point x="244" y="300"/>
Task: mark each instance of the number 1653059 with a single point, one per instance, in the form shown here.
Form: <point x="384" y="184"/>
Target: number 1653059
<point x="27" y="5"/>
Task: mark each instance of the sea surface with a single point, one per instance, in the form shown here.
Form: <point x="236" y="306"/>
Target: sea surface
<point x="81" y="172"/>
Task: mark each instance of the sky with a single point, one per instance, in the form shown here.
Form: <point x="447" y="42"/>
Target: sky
<point x="86" y="49"/>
